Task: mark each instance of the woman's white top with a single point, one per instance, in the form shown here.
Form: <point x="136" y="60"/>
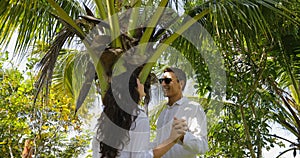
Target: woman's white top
<point x="139" y="144"/>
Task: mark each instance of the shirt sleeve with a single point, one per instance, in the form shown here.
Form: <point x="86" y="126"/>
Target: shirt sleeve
<point x="195" y="140"/>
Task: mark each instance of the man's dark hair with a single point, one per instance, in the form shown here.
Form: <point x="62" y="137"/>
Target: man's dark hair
<point x="178" y="73"/>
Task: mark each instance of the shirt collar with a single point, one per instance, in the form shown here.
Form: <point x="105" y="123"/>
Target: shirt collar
<point x="177" y="103"/>
<point x="142" y="108"/>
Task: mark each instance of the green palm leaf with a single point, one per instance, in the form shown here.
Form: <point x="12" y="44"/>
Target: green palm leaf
<point x="31" y="21"/>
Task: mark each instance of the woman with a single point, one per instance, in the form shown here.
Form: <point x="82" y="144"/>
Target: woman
<point x="123" y="127"/>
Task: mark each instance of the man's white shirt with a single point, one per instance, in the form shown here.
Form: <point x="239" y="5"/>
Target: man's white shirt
<point x="195" y="140"/>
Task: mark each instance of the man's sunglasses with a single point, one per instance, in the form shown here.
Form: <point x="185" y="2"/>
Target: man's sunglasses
<point x="167" y="80"/>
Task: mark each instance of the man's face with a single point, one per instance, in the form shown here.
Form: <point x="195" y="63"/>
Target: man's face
<point x="173" y="88"/>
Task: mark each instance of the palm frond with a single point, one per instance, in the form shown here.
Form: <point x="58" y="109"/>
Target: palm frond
<point x="31" y="21"/>
<point x="290" y="119"/>
<point x="164" y="45"/>
<point x="95" y="21"/>
<point x="62" y="79"/>
<point x="47" y="64"/>
<point x="90" y="75"/>
<point x="88" y="11"/>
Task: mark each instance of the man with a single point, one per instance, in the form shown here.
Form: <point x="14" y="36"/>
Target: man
<point x="186" y="115"/>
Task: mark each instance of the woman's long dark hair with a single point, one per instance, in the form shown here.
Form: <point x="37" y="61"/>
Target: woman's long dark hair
<point x="119" y="113"/>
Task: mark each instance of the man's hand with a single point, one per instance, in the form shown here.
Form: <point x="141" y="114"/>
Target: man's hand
<point x="179" y="127"/>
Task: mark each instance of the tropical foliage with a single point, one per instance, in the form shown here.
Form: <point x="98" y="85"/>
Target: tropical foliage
<point x="258" y="41"/>
<point x="261" y="77"/>
<point x="47" y="130"/>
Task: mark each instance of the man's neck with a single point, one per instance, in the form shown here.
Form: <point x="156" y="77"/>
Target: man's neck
<point x="174" y="99"/>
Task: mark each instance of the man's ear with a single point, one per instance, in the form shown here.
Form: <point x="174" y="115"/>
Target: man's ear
<point x="181" y="84"/>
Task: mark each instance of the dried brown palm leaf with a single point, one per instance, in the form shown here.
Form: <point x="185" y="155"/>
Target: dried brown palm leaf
<point x="46" y="65"/>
